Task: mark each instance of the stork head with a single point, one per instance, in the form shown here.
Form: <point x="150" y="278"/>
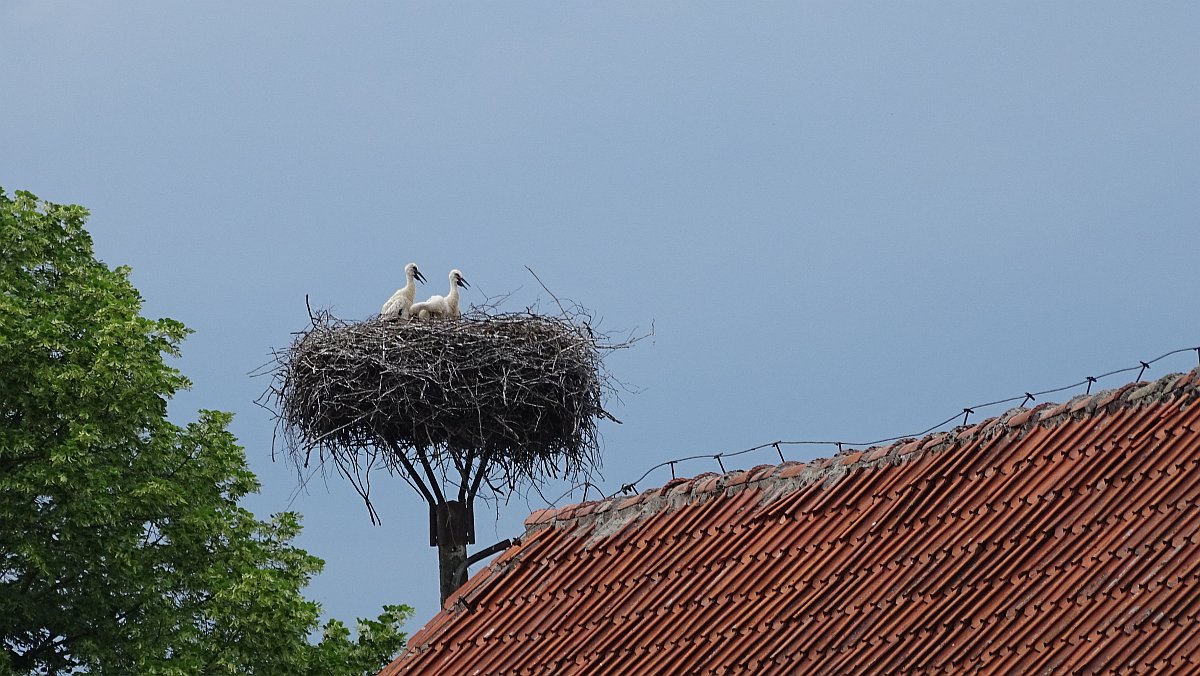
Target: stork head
<point x="412" y="272"/>
<point x="456" y="278"/>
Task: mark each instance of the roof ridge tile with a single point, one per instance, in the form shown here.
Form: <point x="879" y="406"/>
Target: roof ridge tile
<point x="790" y="475"/>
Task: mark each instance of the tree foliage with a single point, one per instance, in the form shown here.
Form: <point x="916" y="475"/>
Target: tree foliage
<point x="123" y="548"/>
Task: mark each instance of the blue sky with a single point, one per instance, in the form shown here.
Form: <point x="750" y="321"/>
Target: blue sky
<point x="843" y="220"/>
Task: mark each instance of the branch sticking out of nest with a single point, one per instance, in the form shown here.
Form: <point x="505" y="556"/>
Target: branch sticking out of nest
<point x="480" y="401"/>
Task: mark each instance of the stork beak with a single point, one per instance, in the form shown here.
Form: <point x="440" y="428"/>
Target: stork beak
<point x="463" y="283"/>
<point x="420" y="277"/>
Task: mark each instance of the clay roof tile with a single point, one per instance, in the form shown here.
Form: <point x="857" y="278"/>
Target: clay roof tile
<point x="1057" y="539"/>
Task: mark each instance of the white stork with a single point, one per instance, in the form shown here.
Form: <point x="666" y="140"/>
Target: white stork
<point x="439" y="306"/>
<point x="400" y="302"/>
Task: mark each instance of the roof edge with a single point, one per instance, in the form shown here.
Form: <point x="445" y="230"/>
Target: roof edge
<point x="612" y="514"/>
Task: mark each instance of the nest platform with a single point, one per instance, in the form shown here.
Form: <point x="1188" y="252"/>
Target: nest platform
<point x="520" y="392"/>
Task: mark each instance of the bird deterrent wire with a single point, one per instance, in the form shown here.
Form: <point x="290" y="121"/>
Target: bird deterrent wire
<point x="1141" y="367"/>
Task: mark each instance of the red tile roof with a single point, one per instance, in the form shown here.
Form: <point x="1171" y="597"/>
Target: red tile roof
<point x="1062" y="538"/>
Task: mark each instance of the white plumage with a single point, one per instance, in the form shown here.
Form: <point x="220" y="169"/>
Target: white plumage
<point x="439" y="306"/>
<point x="400" y="302"/>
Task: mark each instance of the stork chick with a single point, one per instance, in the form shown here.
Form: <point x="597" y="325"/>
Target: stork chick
<point x="400" y="302"/>
<point x="438" y="306"/>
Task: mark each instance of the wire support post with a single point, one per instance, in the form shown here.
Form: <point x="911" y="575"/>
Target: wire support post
<point x="1142" y="372"/>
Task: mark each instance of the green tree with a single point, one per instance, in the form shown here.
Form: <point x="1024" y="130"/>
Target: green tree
<point x="123" y="549"/>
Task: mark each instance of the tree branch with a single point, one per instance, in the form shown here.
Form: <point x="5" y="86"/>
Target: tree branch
<point x="412" y="473"/>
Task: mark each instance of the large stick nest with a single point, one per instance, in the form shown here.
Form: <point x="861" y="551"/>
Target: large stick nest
<point x="516" y="396"/>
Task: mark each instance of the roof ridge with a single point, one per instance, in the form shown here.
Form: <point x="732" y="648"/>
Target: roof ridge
<point x="615" y="512"/>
